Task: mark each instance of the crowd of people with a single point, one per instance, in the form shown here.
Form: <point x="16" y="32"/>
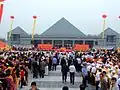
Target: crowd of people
<point x="100" y="68"/>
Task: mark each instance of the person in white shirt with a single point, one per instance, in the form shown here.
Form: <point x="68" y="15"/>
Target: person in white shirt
<point x="97" y="78"/>
<point x="72" y="73"/>
<point x="88" y="70"/>
<point x="93" y="71"/>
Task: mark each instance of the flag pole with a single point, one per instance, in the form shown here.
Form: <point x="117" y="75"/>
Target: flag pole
<point x="33" y="30"/>
<point x="104" y="26"/>
<point x="119" y="37"/>
<point x="11" y="25"/>
<point x="104" y="22"/>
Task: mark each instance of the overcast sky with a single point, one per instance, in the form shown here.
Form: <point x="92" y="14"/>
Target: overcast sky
<point x="84" y="14"/>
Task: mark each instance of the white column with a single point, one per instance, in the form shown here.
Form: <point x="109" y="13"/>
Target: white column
<point x="94" y="43"/>
<point x="83" y="41"/>
<point x="62" y="43"/>
<point x="41" y="41"/>
<point x="73" y="42"/>
<point x="52" y="42"/>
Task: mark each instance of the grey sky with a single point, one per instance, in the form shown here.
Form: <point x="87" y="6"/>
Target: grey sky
<point x="84" y="14"/>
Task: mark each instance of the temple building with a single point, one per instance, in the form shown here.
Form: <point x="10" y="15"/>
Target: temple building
<point x="64" y="34"/>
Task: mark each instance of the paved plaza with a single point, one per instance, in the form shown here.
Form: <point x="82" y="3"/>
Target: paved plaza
<point x="54" y="81"/>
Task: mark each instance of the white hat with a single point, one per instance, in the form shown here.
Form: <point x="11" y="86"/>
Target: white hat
<point x="113" y="71"/>
<point x="88" y="63"/>
<point x="93" y="64"/>
<point x="116" y="65"/>
<point x="97" y="66"/>
<point x="107" y="65"/>
<point x="0" y="82"/>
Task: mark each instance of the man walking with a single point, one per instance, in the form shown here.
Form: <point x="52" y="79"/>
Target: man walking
<point x="64" y="70"/>
<point x="42" y="68"/>
<point x="84" y="74"/>
<point x="97" y="78"/>
<point x="54" y="61"/>
<point x="72" y="73"/>
<point x="35" y="69"/>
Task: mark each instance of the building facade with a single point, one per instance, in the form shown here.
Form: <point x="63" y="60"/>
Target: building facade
<point x="64" y="34"/>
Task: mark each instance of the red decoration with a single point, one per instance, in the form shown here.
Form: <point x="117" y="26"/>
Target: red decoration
<point x="1" y="12"/>
<point x="12" y="17"/>
<point x="34" y="17"/>
<point x="2" y="0"/>
<point x="1" y="9"/>
<point x="119" y="17"/>
<point x="81" y="47"/>
<point x="45" y="46"/>
<point x="104" y="16"/>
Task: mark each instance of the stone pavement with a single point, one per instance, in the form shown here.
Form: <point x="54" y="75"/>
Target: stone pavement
<point x="54" y="81"/>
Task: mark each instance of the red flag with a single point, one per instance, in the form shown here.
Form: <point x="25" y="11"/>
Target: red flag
<point x="1" y="11"/>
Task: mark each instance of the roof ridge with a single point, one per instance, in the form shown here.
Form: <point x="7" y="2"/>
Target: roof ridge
<point x="63" y="25"/>
<point x="20" y="28"/>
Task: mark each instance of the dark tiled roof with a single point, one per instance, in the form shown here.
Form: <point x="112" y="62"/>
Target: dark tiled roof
<point x="109" y="31"/>
<point x="62" y="28"/>
<point x="19" y="30"/>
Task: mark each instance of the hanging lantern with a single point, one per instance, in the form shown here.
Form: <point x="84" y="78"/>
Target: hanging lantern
<point x="12" y="17"/>
<point x="34" y="17"/>
<point x="104" y="16"/>
<point x="119" y="17"/>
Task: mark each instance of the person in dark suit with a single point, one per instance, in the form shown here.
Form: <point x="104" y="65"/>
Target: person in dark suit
<point x="35" y="69"/>
<point x="63" y="61"/>
<point x="64" y="70"/>
<point x="42" y="68"/>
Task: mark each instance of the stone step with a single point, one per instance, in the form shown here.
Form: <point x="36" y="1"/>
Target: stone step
<point x="57" y="87"/>
<point x="55" y="78"/>
<point x="54" y="81"/>
<point x="56" y="84"/>
<point x="60" y="74"/>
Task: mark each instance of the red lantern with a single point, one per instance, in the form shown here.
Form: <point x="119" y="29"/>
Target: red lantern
<point x="34" y="17"/>
<point x="119" y="17"/>
<point x="104" y="16"/>
<point x="12" y="17"/>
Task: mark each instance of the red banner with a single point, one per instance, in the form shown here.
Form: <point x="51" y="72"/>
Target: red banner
<point x="45" y="46"/>
<point x="2" y="45"/>
<point x="1" y="11"/>
<point x="63" y="49"/>
<point x="81" y="47"/>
